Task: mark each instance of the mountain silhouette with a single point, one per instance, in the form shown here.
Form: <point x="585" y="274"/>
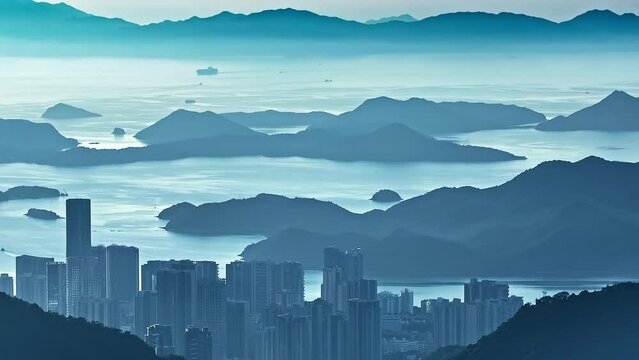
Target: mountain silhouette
<point x="539" y="212"/>
<point x="281" y="31"/>
<point x="402" y="18"/>
<point x="184" y="125"/>
<point x="429" y="117"/>
<point x="588" y="326"/>
<point x="64" y="111"/>
<point x="24" y="325"/>
<point x="18" y="135"/>
<point x="619" y="111"/>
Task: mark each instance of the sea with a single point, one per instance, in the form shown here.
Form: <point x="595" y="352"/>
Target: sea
<point x="133" y="93"/>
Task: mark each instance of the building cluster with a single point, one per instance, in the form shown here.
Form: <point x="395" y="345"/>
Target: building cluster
<point x="257" y="312"/>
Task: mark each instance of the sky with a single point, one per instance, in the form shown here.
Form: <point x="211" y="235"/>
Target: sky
<point x="145" y="11"/>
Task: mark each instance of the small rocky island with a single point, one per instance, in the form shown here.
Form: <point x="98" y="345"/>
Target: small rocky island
<point x="118" y="131"/>
<point x="386" y="196"/>
<point x="65" y="111"/>
<point x="29" y="192"/>
<point x="42" y="214"/>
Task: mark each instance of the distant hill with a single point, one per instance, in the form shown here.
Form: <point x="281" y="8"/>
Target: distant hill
<point x="64" y="111"/>
<point x="27" y="332"/>
<point x="184" y="125"/>
<point x="429" y="117"/>
<point x="402" y="18"/>
<point x="281" y="31"/>
<point x="619" y="111"/>
<point x="589" y="326"/>
<point x="395" y="143"/>
<point x="27" y="136"/>
<point x="557" y="219"/>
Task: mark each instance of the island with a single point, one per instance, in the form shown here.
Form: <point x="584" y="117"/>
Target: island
<point x="118" y="131"/>
<point x="185" y="124"/>
<point x="189" y="101"/>
<point x="386" y="196"/>
<point x="431" y="118"/>
<point x="30" y="192"/>
<point x="24" y="136"/>
<point x="619" y="111"/>
<point x="565" y="224"/>
<point x="42" y="214"/>
<point x="64" y="111"/>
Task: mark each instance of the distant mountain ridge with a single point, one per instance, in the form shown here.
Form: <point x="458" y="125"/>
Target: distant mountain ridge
<point x="60" y="21"/>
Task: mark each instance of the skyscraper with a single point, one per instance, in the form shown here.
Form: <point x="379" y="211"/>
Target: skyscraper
<point x="31" y="279"/>
<point x="122" y="273"/>
<point x="292" y="337"/>
<point x="83" y="267"/>
<point x="406" y="302"/>
<point x="364" y="330"/>
<point x="198" y="344"/>
<point x="6" y="284"/>
<point x="237" y="329"/>
<point x="57" y="287"/>
<point x="78" y="227"/>
<point x="81" y="281"/>
<point x="211" y="312"/>
<point x="100" y="254"/>
<point x="146" y="310"/>
<point x="484" y="290"/>
<point x="175" y="303"/>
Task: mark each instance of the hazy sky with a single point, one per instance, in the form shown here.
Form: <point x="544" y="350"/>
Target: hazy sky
<point x="144" y="11"/>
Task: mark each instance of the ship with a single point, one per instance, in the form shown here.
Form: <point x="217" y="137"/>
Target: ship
<point x="207" y="72"/>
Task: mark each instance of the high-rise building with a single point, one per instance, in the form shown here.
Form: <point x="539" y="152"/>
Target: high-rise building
<point x="362" y="289"/>
<point x="364" y="330"/>
<point x="160" y="338"/>
<point x="82" y="275"/>
<point x="198" y="344"/>
<point x="6" y="284"/>
<point x="211" y="312"/>
<point x="237" y="330"/>
<point x="406" y="302"/>
<point x="31" y="279"/>
<point x="57" y="287"/>
<point x="341" y="270"/>
<point x="122" y="272"/>
<point x="78" y="227"/>
<point x="175" y="303"/>
<point x="146" y="312"/>
<point x="292" y="337"/>
<point x="484" y="290"/>
<point x="288" y="284"/>
<point x="99" y="252"/>
<point x="389" y="303"/>
<point x="354" y="265"/>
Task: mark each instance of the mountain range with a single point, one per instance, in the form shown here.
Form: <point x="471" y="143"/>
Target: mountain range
<point x="507" y="230"/>
<point x="57" y="22"/>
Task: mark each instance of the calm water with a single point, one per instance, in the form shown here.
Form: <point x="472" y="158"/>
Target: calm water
<point x="132" y="93"/>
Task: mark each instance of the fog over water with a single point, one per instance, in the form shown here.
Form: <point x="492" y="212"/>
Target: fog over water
<point x="133" y="93"/>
